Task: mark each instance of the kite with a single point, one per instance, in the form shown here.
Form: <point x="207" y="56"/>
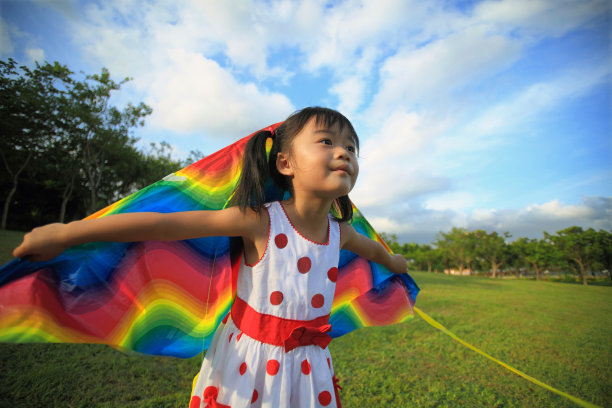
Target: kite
<point x="167" y="298"/>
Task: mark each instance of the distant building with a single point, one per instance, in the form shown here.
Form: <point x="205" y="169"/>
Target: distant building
<point x="464" y="272"/>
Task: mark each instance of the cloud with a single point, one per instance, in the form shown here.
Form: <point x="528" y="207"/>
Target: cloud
<point x="194" y="93"/>
<point x="6" y="45"/>
<point x="417" y="223"/>
<point x="35" y="55"/>
<point x="419" y="79"/>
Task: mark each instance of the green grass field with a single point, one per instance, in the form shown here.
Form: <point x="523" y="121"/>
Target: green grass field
<point x="557" y="333"/>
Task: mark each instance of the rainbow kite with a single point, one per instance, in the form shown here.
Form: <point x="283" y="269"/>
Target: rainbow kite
<point x="167" y="298"/>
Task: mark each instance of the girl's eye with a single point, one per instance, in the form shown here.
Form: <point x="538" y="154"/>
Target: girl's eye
<point x="326" y="141"/>
<point x="350" y="148"/>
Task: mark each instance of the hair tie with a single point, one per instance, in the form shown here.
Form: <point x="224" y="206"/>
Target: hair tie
<point x="269" y="143"/>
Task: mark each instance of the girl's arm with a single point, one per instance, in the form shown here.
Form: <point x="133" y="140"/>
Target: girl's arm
<point x="371" y="250"/>
<point x="46" y="242"/>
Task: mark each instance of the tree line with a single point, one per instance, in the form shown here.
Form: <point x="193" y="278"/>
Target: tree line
<point x="66" y="150"/>
<point x="573" y="250"/>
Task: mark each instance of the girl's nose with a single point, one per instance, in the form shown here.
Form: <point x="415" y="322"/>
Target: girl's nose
<point x="342" y="152"/>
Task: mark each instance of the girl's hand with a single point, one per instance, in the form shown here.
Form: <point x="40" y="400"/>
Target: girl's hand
<point x="398" y="264"/>
<point x="43" y="243"/>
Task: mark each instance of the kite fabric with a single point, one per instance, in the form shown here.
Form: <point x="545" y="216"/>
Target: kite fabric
<point x="167" y="298"/>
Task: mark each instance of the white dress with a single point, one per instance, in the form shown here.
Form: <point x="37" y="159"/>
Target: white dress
<point x="272" y="349"/>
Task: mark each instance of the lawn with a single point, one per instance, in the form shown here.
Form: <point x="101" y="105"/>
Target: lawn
<point x="557" y="333"/>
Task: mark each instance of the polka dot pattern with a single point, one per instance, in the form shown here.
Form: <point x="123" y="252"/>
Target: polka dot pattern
<point x="272" y="367"/>
<point x="305" y="367"/>
<point x="332" y="274"/>
<point x="299" y="285"/>
<point x="281" y="241"/>
<point x="324" y="398"/>
<point x="276" y="298"/>
<point x="304" y="264"/>
<point x="317" y="301"/>
<point x="195" y="402"/>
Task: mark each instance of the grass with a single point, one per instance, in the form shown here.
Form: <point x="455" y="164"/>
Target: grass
<point x="559" y="334"/>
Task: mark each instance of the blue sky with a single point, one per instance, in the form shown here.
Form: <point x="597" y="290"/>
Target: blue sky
<point x="475" y="114"/>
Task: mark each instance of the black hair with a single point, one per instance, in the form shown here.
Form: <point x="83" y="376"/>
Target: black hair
<point x="255" y="189"/>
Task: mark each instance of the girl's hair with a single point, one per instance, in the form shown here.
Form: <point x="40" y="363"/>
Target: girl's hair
<point x="258" y="169"/>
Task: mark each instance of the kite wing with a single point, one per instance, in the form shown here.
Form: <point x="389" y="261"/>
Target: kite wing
<point x="167" y="298"/>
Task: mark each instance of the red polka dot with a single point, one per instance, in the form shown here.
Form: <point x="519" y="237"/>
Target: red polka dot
<point x="272" y="367"/>
<point x="255" y="395"/>
<point x="238" y="336"/>
<point x="304" y="264"/>
<point x="280" y="240"/>
<point x="230" y="337"/>
<point x="317" y="300"/>
<point x="306" y="367"/>
<point x="332" y="274"/>
<point x="242" y="368"/>
<point x="325" y="398"/>
<point x="195" y="402"/>
<point x="211" y="392"/>
<point x="276" y="298"/>
<point x="328" y="363"/>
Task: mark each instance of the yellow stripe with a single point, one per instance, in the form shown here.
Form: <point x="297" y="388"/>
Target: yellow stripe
<point x="438" y="326"/>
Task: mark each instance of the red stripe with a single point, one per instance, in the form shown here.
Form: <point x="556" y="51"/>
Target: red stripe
<point x="267" y="328"/>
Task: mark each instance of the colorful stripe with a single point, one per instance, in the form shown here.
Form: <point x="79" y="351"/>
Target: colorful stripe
<point x="167" y="298"/>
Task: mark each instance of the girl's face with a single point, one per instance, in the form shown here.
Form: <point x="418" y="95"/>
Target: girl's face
<point x="322" y="161"/>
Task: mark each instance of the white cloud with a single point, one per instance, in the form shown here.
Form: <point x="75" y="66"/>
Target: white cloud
<point x="195" y="94"/>
<point x="35" y="55"/>
<point x="424" y="77"/>
<point x="540" y="17"/>
<point x="525" y="105"/>
<point x="6" y="45"/>
<point x="419" y="224"/>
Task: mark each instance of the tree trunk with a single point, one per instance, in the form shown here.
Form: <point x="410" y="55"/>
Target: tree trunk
<point x="7" y="203"/>
<point x="581" y="271"/>
<point x="66" y="194"/>
<point x="15" y="177"/>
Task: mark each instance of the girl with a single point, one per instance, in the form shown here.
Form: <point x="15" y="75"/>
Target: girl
<point x="271" y="350"/>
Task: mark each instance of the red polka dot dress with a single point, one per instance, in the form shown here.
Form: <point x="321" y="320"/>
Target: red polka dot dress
<point x="272" y="349"/>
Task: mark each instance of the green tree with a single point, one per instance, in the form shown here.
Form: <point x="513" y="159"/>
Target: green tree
<point x="577" y="246"/>
<point x="105" y="144"/>
<point x="492" y="249"/>
<point x="31" y="102"/>
<point x="457" y="247"/>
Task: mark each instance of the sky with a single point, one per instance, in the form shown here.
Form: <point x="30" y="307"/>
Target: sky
<point x="491" y="115"/>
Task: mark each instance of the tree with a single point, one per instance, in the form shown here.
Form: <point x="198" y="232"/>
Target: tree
<point x="458" y="247"/>
<point x="31" y="101"/>
<point x="576" y="245"/>
<point x="105" y="144"/>
<point x="492" y="248"/>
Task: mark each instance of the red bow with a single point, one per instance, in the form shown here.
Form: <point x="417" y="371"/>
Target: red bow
<point x="210" y="398"/>
<point x="305" y="336"/>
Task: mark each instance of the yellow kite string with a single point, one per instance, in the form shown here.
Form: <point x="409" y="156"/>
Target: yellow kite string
<point x="438" y="326"/>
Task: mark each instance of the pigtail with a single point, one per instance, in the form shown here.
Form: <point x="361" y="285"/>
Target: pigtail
<point x="255" y="172"/>
<point x="343" y="209"/>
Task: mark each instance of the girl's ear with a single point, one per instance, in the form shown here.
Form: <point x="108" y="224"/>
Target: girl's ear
<point x="283" y="164"/>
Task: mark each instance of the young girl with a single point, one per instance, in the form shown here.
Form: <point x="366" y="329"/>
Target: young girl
<point x="271" y="350"/>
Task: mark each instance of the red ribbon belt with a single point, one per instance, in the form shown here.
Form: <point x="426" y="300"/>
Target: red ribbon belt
<point x="278" y="331"/>
<point x="304" y="336"/>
